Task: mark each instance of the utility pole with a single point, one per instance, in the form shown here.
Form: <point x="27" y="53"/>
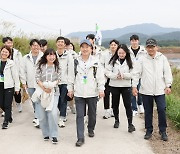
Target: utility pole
<point x="60" y="32"/>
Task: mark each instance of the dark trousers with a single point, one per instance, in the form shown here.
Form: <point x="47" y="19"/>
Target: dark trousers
<point x="92" y="107"/>
<point x="6" y="97"/>
<point x="62" y="103"/>
<point x="126" y="96"/>
<point x="148" y="102"/>
<point x="107" y="96"/>
<point x="17" y="97"/>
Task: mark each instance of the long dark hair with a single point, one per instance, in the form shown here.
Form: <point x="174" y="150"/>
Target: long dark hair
<point x="127" y="57"/>
<point x="43" y="59"/>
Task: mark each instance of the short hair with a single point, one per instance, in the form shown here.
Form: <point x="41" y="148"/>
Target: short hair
<point x="60" y="38"/>
<point x="34" y="40"/>
<point x="134" y="37"/>
<point x="90" y="36"/>
<point x="5" y="39"/>
<point x="43" y="42"/>
<point x="115" y="41"/>
<point x="67" y="41"/>
<point x="7" y="48"/>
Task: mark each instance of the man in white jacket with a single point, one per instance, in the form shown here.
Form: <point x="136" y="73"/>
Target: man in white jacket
<point x="156" y="79"/>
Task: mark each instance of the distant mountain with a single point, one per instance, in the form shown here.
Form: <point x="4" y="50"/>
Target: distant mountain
<point x="145" y="29"/>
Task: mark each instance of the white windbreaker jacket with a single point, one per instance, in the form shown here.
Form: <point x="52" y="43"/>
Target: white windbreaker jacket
<point x="11" y="78"/>
<point x="112" y="73"/>
<point x="29" y="69"/>
<point x="94" y="84"/>
<point x="155" y="74"/>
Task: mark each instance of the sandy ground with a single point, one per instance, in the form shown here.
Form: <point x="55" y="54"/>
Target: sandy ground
<point x="23" y="138"/>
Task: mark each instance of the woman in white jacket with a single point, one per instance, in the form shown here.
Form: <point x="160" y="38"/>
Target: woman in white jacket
<point x="119" y="72"/>
<point x="87" y="86"/>
<point x="47" y="77"/>
<point x="9" y="82"/>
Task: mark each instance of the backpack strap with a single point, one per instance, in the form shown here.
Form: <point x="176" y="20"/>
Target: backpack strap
<point x="75" y="66"/>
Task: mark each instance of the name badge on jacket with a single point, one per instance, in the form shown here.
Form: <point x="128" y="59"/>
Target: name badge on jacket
<point x="1" y="78"/>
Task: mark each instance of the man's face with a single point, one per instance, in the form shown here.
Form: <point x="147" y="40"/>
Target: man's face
<point x="91" y="40"/>
<point x="9" y="43"/>
<point x="43" y="48"/>
<point x="35" y="47"/>
<point x="113" y="46"/>
<point x="134" y="43"/>
<point x="151" y="50"/>
<point x="85" y="49"/>
<point x="60" y="44"/>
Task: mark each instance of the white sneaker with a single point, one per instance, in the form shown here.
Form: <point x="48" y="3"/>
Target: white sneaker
<point x="135" y="113"/>
<point x="141" y="109"/>
<point x="19" y="106"/>
<point x="61" y="123"/>
<point x="37" y="123"/>
<point x="106" y="114"/>
<point x="3" y="114"/>
<point x="111" y="112"/>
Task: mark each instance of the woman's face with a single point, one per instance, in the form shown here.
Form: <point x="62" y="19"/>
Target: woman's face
<point x="121" y="53"/>
<point x="4" y="53"/>
<point x="70" y="47"/>
<point x="51" y="58"/>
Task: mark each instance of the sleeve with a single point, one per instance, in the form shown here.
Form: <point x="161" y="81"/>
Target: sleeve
<point x="167" y="73"/>
<point x="23" y="71"/>
<point x="100" y="79"/>
<point x="15" y="77"/>
<point x="109" y="72"/>
<point x="127" y="76"/>
<point x="71" y="74"/>
<point x="136" y="73"/>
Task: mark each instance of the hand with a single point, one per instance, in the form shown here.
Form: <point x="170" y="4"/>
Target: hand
<point x="134" y="91"/>
<point x="120" y="76"/>
<point x="101" y="94"/>
<point x="167" y="91"/>
<point x="24" y="86"/>
<point x="70" y="94"/>
<point x="47" y="90"/>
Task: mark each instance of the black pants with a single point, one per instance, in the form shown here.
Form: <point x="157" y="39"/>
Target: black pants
<point x="126" y="95"/>
<point x="17" y="97"/>
<point x="107" y="94"/>
<point x="6" y="97"/>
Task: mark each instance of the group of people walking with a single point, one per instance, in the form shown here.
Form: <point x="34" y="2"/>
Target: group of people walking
<point x="52" y="78"/>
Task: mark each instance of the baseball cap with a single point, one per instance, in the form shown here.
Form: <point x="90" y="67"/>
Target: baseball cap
<point x="151" y="42"/>
<point x="85" y="41"/>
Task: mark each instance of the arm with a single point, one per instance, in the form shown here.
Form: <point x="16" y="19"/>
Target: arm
<point x="109" y="72"/>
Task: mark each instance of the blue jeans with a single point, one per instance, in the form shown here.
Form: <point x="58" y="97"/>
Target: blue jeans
<point x="138" y="100"/>
<point x="49" y="119"/>
<point x="31" y="91"/>
<point x="62" y="103"/>
<point x="148" y="102"/>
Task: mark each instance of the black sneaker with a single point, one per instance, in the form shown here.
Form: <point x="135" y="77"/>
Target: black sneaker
<point x="91" y="133"/>
<point x="148" y="135"/>
<point x="116" y="124"/>
<point x="163" y="136"/>
<point x="131" y="128"/>
<point x="80" y="142"/>
<point x="10" y="120"/>
<point x="5" y="125"/>
<point x="46" y="138"/>
<point x="54" y="140"/>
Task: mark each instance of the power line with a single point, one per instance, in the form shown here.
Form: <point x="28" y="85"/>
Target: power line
<point x="29" y="21"/>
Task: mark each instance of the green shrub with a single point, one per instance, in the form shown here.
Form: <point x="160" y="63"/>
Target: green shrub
<point x="173" y="109"/>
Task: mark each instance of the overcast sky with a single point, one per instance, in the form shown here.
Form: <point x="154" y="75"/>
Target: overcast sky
<point x="82" y="15"/>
